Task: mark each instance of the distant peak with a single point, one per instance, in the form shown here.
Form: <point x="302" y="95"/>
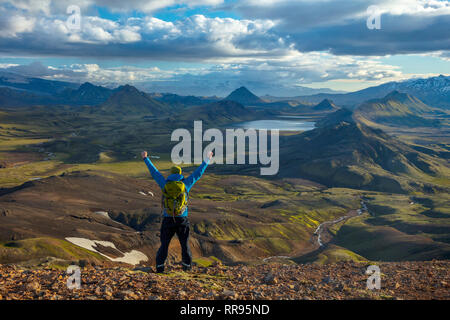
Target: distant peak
<point x="87" y="85"/>
<point x="325" y="104"/>
<point x="127" y="88"/>
<point x="242" y="90"/>
<point x="327" y="101"/>
<point x="395" y="94"/>
<point x="243" y="96"/>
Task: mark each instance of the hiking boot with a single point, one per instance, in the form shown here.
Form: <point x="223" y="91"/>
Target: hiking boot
<point x="186" y="267"/>
<point x="160" y="269"/>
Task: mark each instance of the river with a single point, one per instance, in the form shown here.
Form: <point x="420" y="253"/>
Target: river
<point x="320" y="228"/>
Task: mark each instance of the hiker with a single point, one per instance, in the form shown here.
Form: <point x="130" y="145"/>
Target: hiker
<point x="175" y="210"/>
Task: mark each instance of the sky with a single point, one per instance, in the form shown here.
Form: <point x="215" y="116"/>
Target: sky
<point x="210" y="47"/>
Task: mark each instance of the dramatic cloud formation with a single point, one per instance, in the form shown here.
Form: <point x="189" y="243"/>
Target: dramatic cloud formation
<point x="267" y="43"/>
<point x="407" y="26"/>
<point x="60" y="6"/>
<point x="195" y="38"/>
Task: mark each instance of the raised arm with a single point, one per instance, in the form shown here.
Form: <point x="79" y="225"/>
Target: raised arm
<point x="197" y="174"/>
<point x="160" y="180"/>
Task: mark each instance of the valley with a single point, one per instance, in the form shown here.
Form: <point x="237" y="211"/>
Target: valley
<point x="63" y="165"/>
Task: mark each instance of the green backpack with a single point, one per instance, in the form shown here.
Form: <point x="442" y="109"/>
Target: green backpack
<point x="174" y="198"/>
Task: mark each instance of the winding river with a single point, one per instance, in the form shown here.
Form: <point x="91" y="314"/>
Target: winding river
<point x="320" y="229"/>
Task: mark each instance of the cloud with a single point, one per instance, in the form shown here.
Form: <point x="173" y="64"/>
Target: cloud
<point x="90" y="72"/>
<point x="443" y="55"/>
<point x="270" y="28"/>
<point x="13" y="26"/>
<point x="149" y="6"/>
<point x="37" y="69"/>
<point x="193" y="38"/>
<point x="276" y="46"/>
<point x="30" y="6"/>
<point x="52" y="7"/>
<point x="8" y="65"/>
<point x="339" y="26"/>
<point x="274" y="76"/>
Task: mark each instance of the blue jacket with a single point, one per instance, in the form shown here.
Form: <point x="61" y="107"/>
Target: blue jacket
<point x="188" y="182"/>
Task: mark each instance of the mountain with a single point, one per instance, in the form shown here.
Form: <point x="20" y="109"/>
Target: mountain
<point x="350" y="154"/>
<point x="325" y="105"/>
<point x="411" y="103"/>
<point x="398" y="109"/>
<point x="215" y="85"/>
<point x="341" y="115"/>
<point x="434" y="91"/>
<point x="186" y="101"/>
<point x="34" y="85"/>
<point x="19" y="98"/>
<point x="129" y="100"/>
<point x="220" y="112"/>
<point x="86" y="94"/>
<point x="302" y="91"/>
<point x="296" y="106"/>
<point x="244" y="96"/>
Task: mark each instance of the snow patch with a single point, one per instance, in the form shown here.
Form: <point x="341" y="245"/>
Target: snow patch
<point x="103" y="213"/>
<point x="133" y="257"/>
<point x="145" y="194"/>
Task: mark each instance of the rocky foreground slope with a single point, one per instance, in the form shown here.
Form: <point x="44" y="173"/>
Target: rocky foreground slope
<point x="405" y="280"/>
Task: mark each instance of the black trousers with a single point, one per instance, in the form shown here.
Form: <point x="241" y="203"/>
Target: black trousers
<point x="169" y="228"/>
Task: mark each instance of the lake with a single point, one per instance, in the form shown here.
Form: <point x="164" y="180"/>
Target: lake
<point x="281" y="124"/>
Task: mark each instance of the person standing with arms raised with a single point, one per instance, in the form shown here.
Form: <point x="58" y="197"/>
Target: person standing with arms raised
<point x="175" y="209"/>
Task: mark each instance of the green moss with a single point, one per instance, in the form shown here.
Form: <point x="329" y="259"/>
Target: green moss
<point x="206" y="261"/>
<point x="330" y="254"/>
<point x="34" y="248"/>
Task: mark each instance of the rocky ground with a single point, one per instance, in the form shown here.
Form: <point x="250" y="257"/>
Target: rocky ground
<point x="405" y="280"/>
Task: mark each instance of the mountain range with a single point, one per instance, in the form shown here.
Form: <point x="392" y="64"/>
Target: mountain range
<point x="245" y="97"/>
<point x="34" y="85"/>
<point x="182" y="101"/>
<point x="86" y="95"/>
<point x="434" y="91"/>
<point x="220" y="112"/>
<point x="351" y="154"/>
<point x="395" y="109"/>
<point x="128" y="100"/>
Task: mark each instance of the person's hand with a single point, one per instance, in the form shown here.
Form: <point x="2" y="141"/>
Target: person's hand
<point x="144" y="154"/>
<point x="210" y="155"/>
